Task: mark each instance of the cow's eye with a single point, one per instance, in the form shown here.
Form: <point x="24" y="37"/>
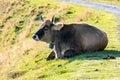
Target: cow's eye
<point x="45" y="29"/>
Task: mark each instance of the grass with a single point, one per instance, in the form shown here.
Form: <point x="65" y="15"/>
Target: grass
<point x="117" y="2"/>
<point x="24" y="59"/>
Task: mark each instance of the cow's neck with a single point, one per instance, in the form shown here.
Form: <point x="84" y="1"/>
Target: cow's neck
<point x="55" y="37"/>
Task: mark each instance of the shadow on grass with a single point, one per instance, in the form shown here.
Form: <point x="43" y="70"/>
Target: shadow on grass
<point x="100" y="55"/>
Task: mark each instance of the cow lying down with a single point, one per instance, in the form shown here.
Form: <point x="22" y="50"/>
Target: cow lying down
<point x="71" y="39"/>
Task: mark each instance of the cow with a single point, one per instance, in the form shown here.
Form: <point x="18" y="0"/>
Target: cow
<point x="72" y="39"/>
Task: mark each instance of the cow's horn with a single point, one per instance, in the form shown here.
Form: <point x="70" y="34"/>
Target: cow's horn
<point x="53" y="18"/>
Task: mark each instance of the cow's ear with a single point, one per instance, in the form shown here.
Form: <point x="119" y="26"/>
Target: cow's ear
<point x="58" y="26"/>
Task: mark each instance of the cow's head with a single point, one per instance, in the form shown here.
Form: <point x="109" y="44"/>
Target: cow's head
<point x="46" y="31"/>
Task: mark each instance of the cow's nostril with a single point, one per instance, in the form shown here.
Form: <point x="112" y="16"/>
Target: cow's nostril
<point x="35" y="37"/>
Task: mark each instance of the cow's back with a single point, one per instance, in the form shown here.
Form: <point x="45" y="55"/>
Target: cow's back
<point x="83" y="37"/>
<point x="91" y="38"/>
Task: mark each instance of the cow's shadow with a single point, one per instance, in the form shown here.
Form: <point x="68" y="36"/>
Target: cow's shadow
<point x="100" y="55"/>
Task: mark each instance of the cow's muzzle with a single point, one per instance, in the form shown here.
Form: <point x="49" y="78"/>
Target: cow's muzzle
<point x="35" y="37"/>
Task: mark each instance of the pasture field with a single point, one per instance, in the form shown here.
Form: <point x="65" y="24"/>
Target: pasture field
<point x="22" y="58"/>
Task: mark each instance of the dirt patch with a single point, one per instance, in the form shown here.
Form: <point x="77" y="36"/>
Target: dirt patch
<point x="109" y="57"/>
<point x="14" y="75"/>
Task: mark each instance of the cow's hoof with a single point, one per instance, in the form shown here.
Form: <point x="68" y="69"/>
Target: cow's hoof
<point x="69" y="53"/>
<point x="48" y="58"/>
<point x="51" y="56"/>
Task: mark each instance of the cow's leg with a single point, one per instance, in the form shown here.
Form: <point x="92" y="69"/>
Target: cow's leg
<point x="51" y="56"/>
<point x="69" y="53"/>
<point x="58" y="51"/>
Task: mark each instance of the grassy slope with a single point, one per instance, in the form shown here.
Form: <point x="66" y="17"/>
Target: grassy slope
<point x="25" y="57"/>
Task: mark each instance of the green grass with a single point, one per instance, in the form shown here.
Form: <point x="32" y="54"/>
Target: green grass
<point x="26" y="57"/>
